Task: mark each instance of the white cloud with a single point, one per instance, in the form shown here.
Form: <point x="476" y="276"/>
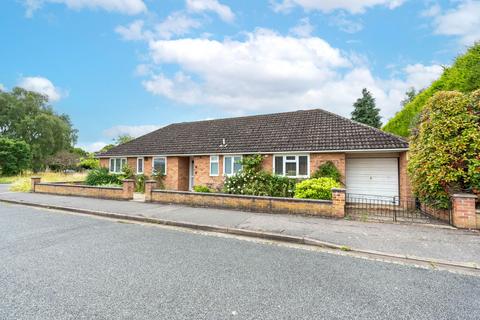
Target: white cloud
<point x="352" y="6"/>
<point x="130" y="7"/>
<point x="134" y="131"/>
<point x="270" y="72"/>
<point x="133" y="32"/>
<point x="463" y="21"/>
<point x="92" y="146"/>
<point x="223" y="11"/>
<point x="2" y="87"/>
<point x="176" y="24"/>
<point x="41" y="85"/>
<point x="303" y="29"/>
<point x="346" y="24"/>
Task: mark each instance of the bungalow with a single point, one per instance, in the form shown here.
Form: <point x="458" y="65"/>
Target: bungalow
<point x="294" y="144"/>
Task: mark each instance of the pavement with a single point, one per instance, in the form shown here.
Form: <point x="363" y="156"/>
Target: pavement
<point x="425" y="242"/>
<point x="56" y="265"/>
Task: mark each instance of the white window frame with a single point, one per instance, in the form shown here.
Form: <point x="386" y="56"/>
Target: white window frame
<point x="123" y="161"/>
<point x="218" y="165"/>
<point x="159" y="157"/>
<point x="143" y="165"/>
<point x="285" y="161"/>
<point x="233" y="156"/>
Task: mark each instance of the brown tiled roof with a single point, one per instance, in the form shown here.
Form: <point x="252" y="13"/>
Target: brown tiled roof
<point x="304" y="130"/>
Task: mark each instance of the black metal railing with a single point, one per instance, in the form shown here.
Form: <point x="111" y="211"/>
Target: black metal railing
<point x="367" y="207"/>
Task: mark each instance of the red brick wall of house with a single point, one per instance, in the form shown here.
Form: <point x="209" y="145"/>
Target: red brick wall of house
<point x="405" y="186"/>
<point x="202" y="172"/>
<point x="338" y="159"/>
<point x="104" y="162"/>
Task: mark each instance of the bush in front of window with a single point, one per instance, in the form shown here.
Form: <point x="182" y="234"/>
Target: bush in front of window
<point x="328" y="170"/>
<point x="252" y="180"/>
<point x="204" y="189"/>
<point x="102" y="176"/>
<point x="320" y="188"/>
<point x="160" y="178"/>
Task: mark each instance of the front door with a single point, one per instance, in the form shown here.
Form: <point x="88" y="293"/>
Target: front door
<point x="191" y="178"/>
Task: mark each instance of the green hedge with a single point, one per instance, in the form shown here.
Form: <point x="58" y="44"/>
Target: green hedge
<point x="320" y="188"/>
<point x="463" y="76"/>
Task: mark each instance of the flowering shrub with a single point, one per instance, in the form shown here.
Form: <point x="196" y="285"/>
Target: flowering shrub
<point x="252" y="180"/>
<point x="445" y="147"/>
<point x="320" y="188"/>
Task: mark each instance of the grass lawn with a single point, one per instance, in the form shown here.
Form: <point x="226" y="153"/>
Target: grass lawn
<point x="22" y="183"/>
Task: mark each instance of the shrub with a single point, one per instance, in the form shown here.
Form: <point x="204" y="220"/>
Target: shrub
<point x="140" y="183"/>
<point x="328" y="170"/>
<point x="89" y="163"/>
<point x="202" y="189"/>
<point x="320" y="188"/>
<point x="252" y="180"/>
<point x="101" y="176"/>
<point x="15" y="156"/>
<point x="160" y="178"/>
<point x="128" y="172"/>
<point x="445" y="149"/>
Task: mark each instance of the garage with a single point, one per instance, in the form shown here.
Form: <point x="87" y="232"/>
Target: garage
<point x="372" y="176"/>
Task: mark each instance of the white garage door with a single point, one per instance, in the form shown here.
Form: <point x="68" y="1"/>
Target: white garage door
<point x="372" y="176"/>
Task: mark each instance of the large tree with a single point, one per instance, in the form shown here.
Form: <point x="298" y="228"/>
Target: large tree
<point x="15" y="156"/>
<point x="27" y="116"/>
<point x="365" y="110"/>
<point x="445" y="147"/>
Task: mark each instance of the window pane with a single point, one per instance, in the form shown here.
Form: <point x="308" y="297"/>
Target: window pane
<point x="112" y="165"/>
<point x="159" y="165"/>
<point x="302" y="166"/>
<point x="117" y="165"/>
<point x="213" y="158"/>
<point x="291" y="169"/>
<point x="139" y="165"/>
<point x="279" y="165"/>
<point x="228" y="165"/>
<point x="290" y="158"/>
<point x="237" y="165"/>
<point x="214" y="168"/>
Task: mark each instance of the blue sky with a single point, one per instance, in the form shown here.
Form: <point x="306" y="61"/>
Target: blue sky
<point x="129" y="66"/>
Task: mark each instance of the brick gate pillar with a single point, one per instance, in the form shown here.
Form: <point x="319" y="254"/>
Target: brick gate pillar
<point x="34" y="181"/>
<point x="128" y="189"/>
<point x="149" y="186"/>
<point x="338" y="202"/>
<point x="463" y="211"/>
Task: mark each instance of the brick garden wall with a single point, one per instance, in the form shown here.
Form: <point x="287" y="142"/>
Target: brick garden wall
<point x="68" y="189"/>
<point x="334" y="208"/>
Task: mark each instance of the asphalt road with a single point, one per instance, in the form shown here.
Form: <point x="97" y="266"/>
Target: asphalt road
<point x="59" y="266"/>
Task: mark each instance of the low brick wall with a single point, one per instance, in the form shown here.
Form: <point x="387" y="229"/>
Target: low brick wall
<point x="75" y="189"/>
<point x="251" y="203"/>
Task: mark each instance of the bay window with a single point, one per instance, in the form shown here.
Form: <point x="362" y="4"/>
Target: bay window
<point x="232" y="165"/>
<point x="159" y="165"/>
<point x="117" y="164"/>
<point x="295" y="166"/>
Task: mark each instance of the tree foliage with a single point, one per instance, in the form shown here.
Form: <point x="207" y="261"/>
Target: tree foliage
<point x="15" y="156"/>
<point x="365" y="110"/>
<point x="445" y="149"/>
<point x="26" y="115"/>
<point x="463" y="76"/>
<point x="63" y="160"/>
